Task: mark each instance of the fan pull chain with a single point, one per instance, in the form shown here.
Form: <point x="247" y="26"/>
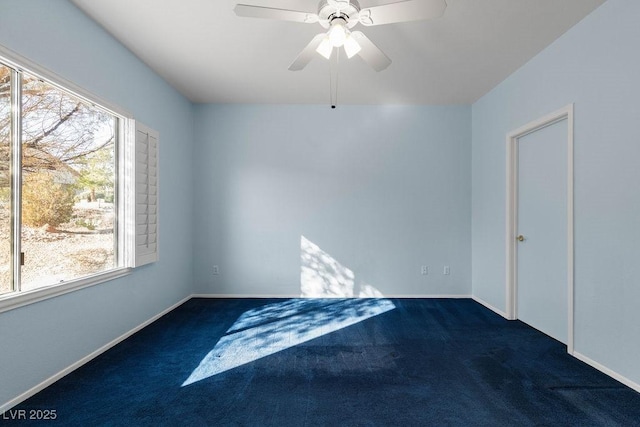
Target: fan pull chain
<point x="333" y="78"/>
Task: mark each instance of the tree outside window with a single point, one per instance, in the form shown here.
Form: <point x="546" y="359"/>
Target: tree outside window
<point x="68" y="169"/>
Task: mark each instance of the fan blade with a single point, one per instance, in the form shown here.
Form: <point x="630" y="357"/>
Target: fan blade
<point x="370" y="53"/>
<point x="403" y="11"/>
<point x="307" y="53"/>
<point x="249" y="11"/>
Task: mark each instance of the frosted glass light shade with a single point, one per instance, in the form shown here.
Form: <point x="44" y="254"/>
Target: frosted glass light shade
<point x="351" y="46"/>
<point x="325" y="48"/>
<point x="337" y="33"/>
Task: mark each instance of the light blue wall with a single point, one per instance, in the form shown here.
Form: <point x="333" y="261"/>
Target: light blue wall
<point x="39" y="340"/>
<point x="380" y="189"/>
<point x="597" y="66"/>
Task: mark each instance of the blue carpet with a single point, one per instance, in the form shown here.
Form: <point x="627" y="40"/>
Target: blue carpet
<point x="348" y="362"/>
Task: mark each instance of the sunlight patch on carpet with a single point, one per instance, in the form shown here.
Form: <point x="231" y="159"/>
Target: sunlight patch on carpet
<point x="275" y="327"/>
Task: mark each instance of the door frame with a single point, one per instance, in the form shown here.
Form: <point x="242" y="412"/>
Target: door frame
<point x="512" y="213"/>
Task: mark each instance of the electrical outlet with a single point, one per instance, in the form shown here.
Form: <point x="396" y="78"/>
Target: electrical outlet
<point x="216" y="270"/>
<point x="424" y="270"/>
<point x="446" y="271"/>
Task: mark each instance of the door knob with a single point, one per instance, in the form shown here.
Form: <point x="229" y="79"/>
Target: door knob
<point x="521" y="238"/>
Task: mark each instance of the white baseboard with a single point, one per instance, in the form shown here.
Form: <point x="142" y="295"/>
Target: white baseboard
<point x="263" y="296"/>
<point x="490" y="307"/>
<point x="613" y="374"/>
<point x="46" y="383"/>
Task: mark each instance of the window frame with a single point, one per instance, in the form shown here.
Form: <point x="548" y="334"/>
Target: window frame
<point x="124" y="185"/>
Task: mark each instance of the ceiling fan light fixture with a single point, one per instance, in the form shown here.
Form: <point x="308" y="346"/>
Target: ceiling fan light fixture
<point x="325" y="48"/>
<point x="338" y="32"/>
<point x="351" y="46"/>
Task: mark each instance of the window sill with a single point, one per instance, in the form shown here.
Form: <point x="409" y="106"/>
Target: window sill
<point x="15" y="300"/>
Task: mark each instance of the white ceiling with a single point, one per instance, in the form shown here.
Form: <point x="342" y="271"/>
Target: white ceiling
<point x="212" y="56"/>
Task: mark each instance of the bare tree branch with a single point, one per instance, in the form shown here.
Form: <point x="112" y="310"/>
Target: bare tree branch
<point x="87" y="152"/>
<point x="52" y="129"/>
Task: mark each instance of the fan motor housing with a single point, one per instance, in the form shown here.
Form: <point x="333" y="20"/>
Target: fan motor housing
<point x="328" y="11"/>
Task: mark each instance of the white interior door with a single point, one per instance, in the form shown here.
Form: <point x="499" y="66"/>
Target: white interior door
<point x="542" y="210"/>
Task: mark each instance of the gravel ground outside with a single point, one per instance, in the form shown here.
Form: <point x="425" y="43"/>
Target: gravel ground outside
<point x="70" y="251"/>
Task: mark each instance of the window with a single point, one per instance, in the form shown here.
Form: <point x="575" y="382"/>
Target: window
<point x="72" y="212"/>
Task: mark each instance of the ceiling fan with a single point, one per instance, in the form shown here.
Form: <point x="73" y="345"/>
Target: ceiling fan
<point x="338" y="17"/>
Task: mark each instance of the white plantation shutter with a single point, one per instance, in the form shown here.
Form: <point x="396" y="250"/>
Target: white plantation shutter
<point x="146" y="196"/>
